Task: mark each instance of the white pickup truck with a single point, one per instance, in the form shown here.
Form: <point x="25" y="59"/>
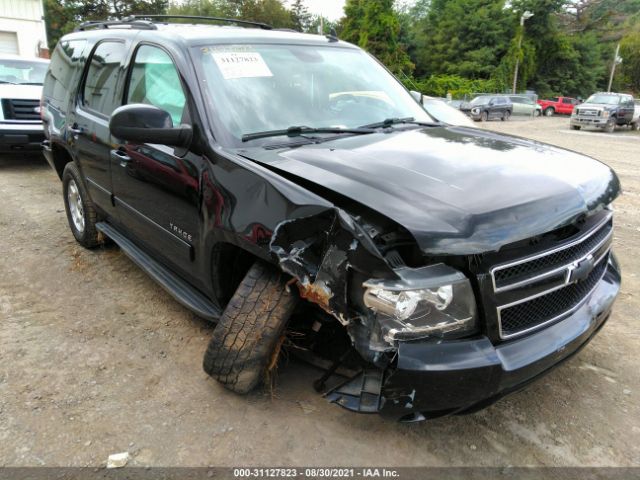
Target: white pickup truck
<point x="21" y="82"/>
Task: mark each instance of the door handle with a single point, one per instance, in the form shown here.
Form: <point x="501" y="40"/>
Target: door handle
<point x="75" y="130"/>
<point x="121" y="157"/>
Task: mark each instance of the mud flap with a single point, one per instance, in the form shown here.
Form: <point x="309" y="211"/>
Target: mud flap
<point x="361" y="393"/>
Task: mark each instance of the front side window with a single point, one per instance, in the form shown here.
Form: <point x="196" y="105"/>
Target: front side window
<point x="22" y="72"/>
<point x="102" y="78"/>
<point x="155" y="81"/>
<point x="258" y="88"/>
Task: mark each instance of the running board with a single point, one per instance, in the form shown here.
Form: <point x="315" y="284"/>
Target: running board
<point x="178" y="288"/>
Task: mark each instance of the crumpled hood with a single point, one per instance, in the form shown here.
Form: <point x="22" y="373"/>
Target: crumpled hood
<point x="458" y="190"/>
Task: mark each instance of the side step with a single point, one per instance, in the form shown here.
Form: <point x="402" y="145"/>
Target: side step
<point x="178" y="288"/>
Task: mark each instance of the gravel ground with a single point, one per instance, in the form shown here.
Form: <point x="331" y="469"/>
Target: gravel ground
<point x="96" y="359"/>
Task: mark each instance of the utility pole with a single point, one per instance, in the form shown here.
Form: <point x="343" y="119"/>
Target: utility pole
<point x="525" y="16"/>
<point x="616" y="61"/>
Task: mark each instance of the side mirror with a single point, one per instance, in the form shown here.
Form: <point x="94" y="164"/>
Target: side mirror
<point x="417" y="96"/>
<point x="141" y="123"/>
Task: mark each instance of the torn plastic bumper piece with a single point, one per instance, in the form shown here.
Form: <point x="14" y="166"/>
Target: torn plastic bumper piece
<point x="435" y="378"/>
<point x="360" y="393"/>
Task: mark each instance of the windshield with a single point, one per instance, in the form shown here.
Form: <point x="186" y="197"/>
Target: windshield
<point x="258" y="88"/>
<point x="22" y="72"/>
<point x="480" y="100"/>
<point x="605" y="99"/>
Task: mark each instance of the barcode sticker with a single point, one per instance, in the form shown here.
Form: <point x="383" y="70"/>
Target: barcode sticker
<point x="241" y="65"/>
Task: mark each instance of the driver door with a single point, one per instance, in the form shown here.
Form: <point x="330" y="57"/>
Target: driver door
<point x="156" y="187"/>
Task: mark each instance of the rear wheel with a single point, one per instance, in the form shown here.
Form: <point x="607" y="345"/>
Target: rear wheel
<point x="81" y="212"/>
<point x="549" y="112"/>
<point x="246" y="342"/>
<point x="506" y="115"/>
<point x="536" y="113"/>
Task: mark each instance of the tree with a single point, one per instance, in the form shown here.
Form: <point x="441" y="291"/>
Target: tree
<point x="272" y="12"/>
<point x="462" y="37"/>
<point x="300" y="16"/>
<point x="630" y="53"/>
<point x="374" y="26"/>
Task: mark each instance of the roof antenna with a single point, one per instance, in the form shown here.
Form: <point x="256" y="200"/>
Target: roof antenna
<point x="333" y="35"/>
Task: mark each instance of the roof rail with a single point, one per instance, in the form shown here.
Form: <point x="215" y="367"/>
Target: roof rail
<point x="264" y="26"/>
<point x="131" y="22"/>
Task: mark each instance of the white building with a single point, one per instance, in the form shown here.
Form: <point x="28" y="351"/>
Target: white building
<point x="22" y="29"/>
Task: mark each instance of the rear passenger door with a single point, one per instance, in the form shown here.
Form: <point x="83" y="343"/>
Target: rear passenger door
<point x="88" y="127"/>
<point x="156" y="187"/>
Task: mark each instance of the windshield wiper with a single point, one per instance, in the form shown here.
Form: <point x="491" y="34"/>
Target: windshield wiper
<point x="387" y="122"/>
<point x="299" y="131"/>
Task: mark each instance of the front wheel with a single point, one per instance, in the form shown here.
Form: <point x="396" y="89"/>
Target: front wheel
<point x="536" y="113"/>
<point x="484" y="116"/>
<point x="610" y="126"/>
<point x="575" y="127"/>
<point x="81" y="212"/>
<point x="506" y="115"/>
<point x="246" y="342"/>
<point x="635" y="126"/>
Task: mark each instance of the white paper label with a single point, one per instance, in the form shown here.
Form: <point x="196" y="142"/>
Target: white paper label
<point x="241" y="65"/>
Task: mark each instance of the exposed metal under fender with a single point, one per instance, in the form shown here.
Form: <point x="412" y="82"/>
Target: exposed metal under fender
<point x="319" y="250"/>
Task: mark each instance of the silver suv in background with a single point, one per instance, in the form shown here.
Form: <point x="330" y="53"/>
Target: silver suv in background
<point x="20" y="92"/>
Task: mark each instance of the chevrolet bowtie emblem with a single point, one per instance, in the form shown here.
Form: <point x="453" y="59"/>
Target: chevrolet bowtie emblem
<point x="579" y="271"/>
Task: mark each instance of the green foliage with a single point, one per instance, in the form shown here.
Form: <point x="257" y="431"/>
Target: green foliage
<point x="300" y="16"/>
<point x="630" y="53"/>
<point x="272" y="12"/>
<point x="462" y="37"/>
<point x="374" y="26"/>
<point x="457" y="86"/>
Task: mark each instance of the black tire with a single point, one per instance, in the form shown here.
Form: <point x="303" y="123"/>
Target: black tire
<point x="549" y="112"/>
<point x="635" y="126"/>
<point x="506" y="115"/>
<point x="484" y="116"/>
<point x="87" y="235"/>
<point x="575" y="127"/>
<point x="536" y="113"/>
<point x="610" y="127"/>
<point x="247" y="338"/>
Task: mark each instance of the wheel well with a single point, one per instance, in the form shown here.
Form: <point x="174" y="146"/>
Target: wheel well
<point x="229" y="265"/>
<point x="60" y="159"/>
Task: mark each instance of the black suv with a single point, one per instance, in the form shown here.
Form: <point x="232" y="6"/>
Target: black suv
<point x="488" y="107"/>
<point x="287" y="187"/>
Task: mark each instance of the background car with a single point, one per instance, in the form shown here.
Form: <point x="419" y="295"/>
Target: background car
<point x="487" y="107"/>
<point x="561" y="105"/>
<point x="523" y="105"/>
<point x="441" y="111"/>
<point x="21" y="82"/>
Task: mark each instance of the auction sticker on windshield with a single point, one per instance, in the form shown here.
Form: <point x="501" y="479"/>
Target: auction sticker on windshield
<point x="241" y="65"/>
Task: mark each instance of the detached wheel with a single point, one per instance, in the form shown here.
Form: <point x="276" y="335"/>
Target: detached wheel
<point x="81" y="212"/>
<point x="549" y="112"/>
<point x="247" y="338"/>
<point x="484" y="116"/>
<point x="610" y="126"/>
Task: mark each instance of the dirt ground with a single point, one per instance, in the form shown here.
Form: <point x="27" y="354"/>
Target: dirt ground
<point x="96" y="359"/>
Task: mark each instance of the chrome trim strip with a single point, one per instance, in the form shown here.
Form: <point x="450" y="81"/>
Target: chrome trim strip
<point x="545" y="253"/>
<point x="605" y="255"/>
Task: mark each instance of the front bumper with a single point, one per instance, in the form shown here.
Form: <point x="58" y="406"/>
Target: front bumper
<point x="578" y="121"/>
<point x="21" y="137"/>
<point x="433" y="379"/>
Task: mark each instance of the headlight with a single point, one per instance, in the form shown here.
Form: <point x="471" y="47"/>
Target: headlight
<point x="434" y="301"/>
<point x="604" y="114"/>
<point x="475" y="110"/>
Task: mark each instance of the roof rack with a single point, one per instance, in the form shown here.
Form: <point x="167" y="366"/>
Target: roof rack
<point x="132" y="23"/>
<point x="236" y="21"/>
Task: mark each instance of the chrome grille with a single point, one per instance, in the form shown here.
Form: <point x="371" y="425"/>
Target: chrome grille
<point x="546" y="309"/>
<point x="537" y="290"/>
<point x="588" y="112"/>
<point x="15" y="109"/>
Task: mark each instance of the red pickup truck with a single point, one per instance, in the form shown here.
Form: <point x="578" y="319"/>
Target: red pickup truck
<point x="564" y="105"/>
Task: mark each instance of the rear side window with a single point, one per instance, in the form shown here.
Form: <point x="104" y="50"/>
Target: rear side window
<point x="555" y="99"/>
<point x="64" y="61"/>
<point x="567" y="100"/>
<point x="155" y="81"/>
<point x="100" y="85"/>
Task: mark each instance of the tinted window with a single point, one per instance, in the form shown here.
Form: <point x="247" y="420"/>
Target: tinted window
<point x="102" y="77"/>
<point x="555" y="99"/>
<point x="63" y="64"/>
<point x="567" y="100"/>
<point x="155" y="81"/>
